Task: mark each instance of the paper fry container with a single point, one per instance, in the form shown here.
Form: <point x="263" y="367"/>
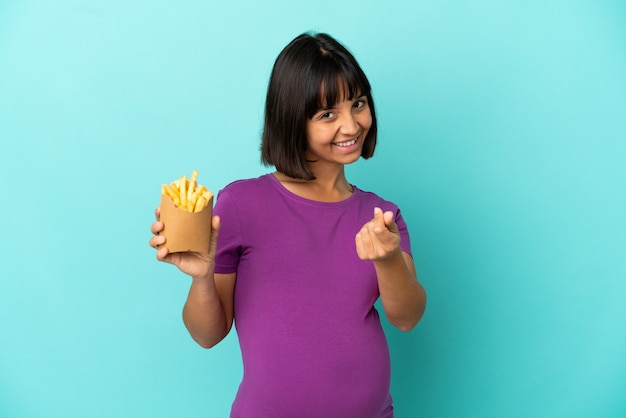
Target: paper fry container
<point x="185" y="231"/>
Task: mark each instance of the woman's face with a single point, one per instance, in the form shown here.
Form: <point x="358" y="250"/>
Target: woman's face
<point x="336" y="134"/>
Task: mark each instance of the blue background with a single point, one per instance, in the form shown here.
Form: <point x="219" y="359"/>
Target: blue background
<point x="502" y="138"/>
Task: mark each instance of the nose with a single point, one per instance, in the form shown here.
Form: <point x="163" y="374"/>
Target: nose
<point x="349" y="125"/>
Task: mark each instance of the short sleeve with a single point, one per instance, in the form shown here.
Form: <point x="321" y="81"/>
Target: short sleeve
<point x="229" y="238"/>
<point x="405" y="239"/>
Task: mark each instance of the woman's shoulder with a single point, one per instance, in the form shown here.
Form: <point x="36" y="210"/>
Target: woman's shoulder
<point x="371" y="198"/>
<point x="245" y="189"/>
<point x="246" y="185"/>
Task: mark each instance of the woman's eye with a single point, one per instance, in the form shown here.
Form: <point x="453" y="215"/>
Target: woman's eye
<point x="359" y="103"/>
<point x="326" y="115"/>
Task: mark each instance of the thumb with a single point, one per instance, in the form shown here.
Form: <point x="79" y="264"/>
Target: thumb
<point x="216" y="224"/>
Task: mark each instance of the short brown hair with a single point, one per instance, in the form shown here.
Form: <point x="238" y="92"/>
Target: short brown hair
<point x="294" y="95"/>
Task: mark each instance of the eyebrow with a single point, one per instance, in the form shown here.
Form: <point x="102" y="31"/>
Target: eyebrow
<point x="362" y="96"/>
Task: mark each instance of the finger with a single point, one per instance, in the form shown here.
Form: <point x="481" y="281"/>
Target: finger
<point x="157" y="213"/>
<point x="366" y="244"/>
<point x="166" y="257"/>
<point x="156" y="241"/>
<point x="162" y="254"/>
<point x="359" y="247"/>
<point x="156" y="227"/>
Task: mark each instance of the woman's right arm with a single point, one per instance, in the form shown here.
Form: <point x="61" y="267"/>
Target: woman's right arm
<point x="208" y="312"/>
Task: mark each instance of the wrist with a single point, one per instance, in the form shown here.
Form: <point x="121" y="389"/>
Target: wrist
<point x="203" y="279"/>
<point x="392" y="258"/>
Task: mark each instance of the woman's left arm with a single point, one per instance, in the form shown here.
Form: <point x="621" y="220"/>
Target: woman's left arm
<point x="402" y="295"/>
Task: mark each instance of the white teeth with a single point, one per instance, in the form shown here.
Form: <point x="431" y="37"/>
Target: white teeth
<point x="345" y="144"/>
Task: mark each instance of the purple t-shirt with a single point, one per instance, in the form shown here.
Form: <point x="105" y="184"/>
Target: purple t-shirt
<point x="311" y="340"/>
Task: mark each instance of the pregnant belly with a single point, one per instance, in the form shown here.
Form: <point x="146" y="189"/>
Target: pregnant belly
<point x="345" y="374"/>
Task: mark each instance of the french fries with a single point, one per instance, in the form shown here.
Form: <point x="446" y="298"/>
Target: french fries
<point x="188" y="194"/>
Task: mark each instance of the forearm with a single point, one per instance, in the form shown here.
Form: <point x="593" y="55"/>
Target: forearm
<point x="203" y="313"/>
<point x="403" y="297"/>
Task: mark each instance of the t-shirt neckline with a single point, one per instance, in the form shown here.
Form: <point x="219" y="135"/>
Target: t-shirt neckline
<point x="288" y="193"/>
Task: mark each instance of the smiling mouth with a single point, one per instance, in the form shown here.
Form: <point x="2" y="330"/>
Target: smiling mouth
<point x="346" y="143"/>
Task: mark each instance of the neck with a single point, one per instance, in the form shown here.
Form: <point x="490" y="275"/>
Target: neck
<point x="329" y="185"/>
<point x="329" y="176"/>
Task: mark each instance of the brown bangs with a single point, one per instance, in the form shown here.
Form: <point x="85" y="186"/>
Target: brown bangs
<point x="330" y="82"/>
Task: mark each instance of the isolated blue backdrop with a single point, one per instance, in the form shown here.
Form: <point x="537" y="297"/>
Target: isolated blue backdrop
<point x="502" y="138"/>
